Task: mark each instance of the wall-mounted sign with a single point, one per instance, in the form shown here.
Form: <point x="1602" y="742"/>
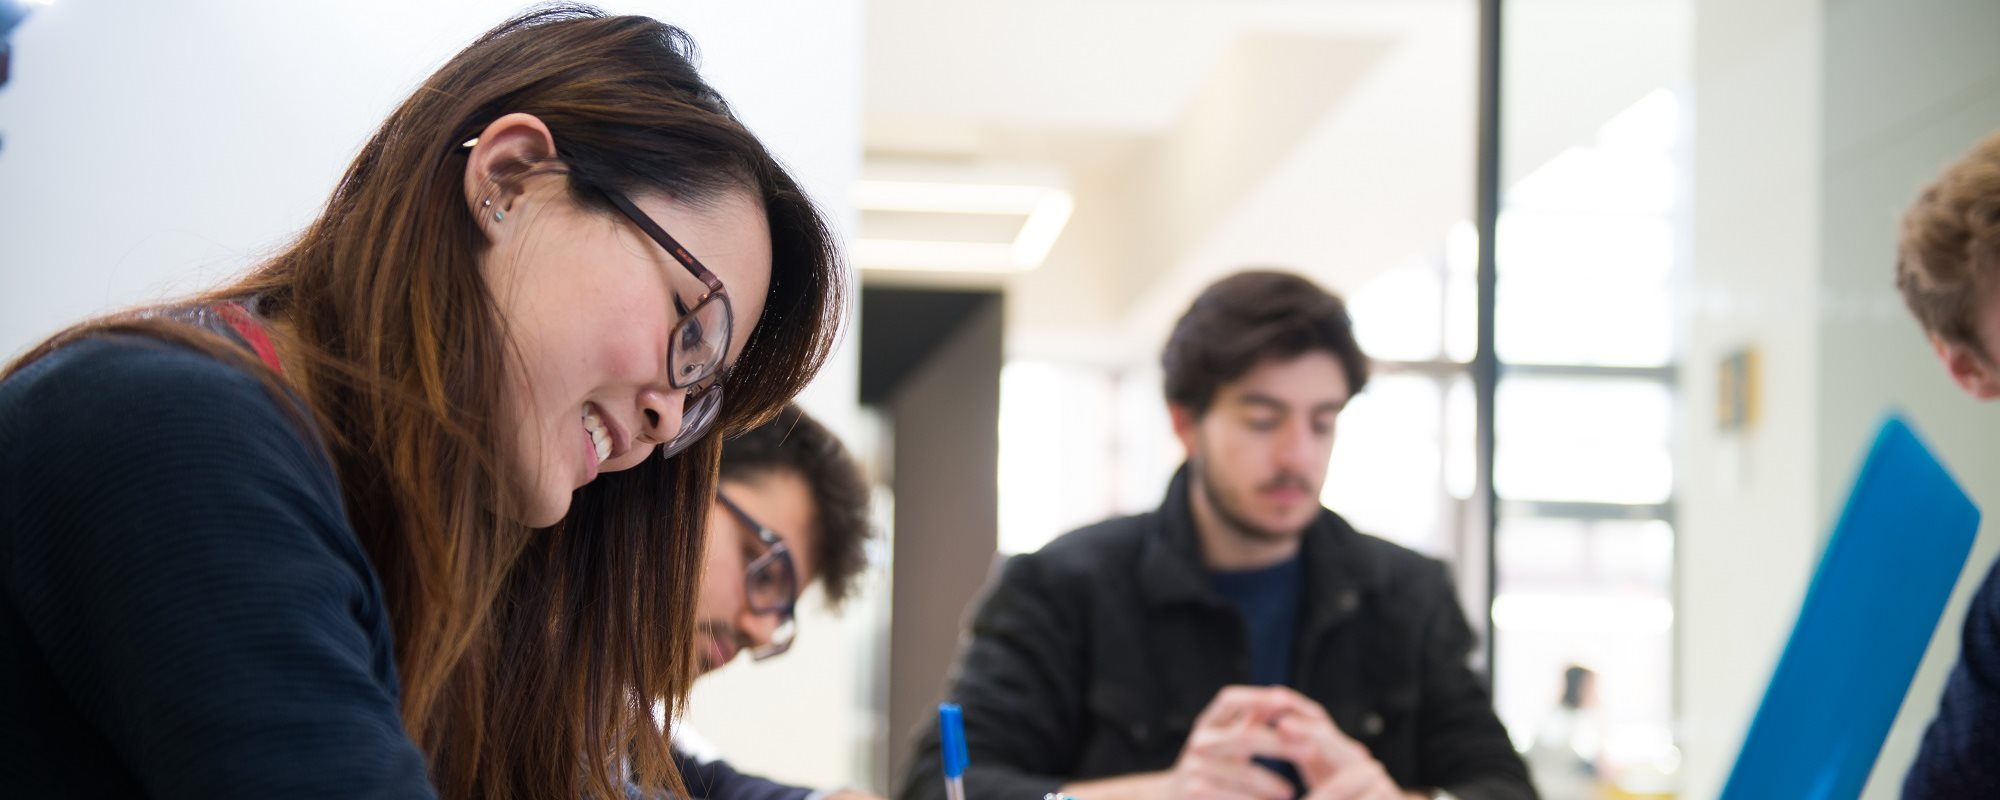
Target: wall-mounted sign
<point x="1736" y="390"/>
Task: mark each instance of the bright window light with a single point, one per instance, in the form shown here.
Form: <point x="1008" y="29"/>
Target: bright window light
<point x="1592" y="614"/>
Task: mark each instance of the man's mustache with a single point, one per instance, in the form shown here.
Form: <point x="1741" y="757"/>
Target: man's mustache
<point x="1285" y="480"/>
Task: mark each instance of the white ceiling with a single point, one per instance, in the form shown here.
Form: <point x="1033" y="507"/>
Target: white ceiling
<point x="1106" y="66"/>
<point x="1333" y="137"/>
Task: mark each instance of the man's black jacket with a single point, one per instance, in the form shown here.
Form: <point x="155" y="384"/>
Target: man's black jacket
<point x="1092" y="658"/>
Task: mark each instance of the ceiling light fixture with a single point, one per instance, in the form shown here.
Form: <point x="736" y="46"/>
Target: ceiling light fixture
<point x="1044" y="210"/>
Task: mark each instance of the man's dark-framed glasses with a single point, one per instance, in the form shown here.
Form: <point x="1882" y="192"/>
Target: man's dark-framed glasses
<point x="770" y="583"/>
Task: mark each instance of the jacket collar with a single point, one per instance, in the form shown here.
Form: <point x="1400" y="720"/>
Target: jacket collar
<point x="1337" y="582"/>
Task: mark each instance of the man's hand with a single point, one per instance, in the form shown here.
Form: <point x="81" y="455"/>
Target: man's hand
<point x="1334" y="765"/>
<point x="1236" y="727"/>
<point x="1246" y="722"/>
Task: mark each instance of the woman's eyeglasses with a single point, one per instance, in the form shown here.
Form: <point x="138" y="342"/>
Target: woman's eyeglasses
<point x="698" y="345"/>
<point x="699" y="341"/>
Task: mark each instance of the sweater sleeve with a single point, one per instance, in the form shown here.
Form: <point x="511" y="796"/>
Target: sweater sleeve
<point x="177" y="550"/>
<point x="1957" y="755"/>
<point x="715" y="779"/>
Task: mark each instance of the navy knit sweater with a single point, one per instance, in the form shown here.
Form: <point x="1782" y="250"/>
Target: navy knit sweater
<point x="716" y="779"/>
<point x="1961" y="751"/>
<point x="187" y="612"/>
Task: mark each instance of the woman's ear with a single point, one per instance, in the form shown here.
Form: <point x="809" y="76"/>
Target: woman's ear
<point x="501" y="157"/>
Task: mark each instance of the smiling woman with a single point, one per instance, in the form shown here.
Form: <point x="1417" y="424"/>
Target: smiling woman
<point x="598" y="309"/>
<point x="397" y="525"/>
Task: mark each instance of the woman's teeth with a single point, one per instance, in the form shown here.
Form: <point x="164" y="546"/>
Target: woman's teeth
<point x="594" y="424"/>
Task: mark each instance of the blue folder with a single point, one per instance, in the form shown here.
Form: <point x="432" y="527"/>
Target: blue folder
<point x="1882" y="583"/>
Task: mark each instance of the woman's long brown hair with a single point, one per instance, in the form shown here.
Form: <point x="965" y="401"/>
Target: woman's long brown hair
<point x="530" y="660"/>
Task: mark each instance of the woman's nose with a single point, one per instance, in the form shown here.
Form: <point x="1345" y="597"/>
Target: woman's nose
<point x="660" y="415"/>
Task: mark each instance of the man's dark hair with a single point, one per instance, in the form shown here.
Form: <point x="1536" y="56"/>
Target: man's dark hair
<point x="1246" y="318"/>
<point x="797" y="443"/>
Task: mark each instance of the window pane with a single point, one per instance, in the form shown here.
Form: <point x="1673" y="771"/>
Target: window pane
<point x="1461" y="300"/>
<point x="1399" y="316"/>
<point x="1386" y="474"/>
<point x="1590" y="594"/>
<point x="1590" y="246"/>
<point x="1584" y="288"/>
<point x="1583" y="440"/>
<point x="1055" y="451"/>
<point x="1461" y="454"/>
<point x="1585" y="246"/>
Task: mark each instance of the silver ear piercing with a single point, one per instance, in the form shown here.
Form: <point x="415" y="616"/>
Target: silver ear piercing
<point x="498" y="215"/>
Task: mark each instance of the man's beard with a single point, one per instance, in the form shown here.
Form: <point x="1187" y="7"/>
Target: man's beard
<point x="717" y="631"/>
<point x="1239" y="521"/>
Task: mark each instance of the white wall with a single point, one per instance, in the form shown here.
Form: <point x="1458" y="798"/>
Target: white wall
<point x="152" y="148"/>
<point x="155" y="148"/>
<point x="1748" y="503"/>
<point x="1816" y="124"/>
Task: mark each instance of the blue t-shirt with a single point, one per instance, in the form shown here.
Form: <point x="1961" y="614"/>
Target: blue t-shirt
<point x="1268" y="599"/>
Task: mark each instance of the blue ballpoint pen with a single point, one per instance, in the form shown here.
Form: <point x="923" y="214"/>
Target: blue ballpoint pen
<point x="951" y="732"/>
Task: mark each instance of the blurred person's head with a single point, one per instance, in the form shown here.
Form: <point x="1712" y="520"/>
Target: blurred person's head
<point x="792" y="508"/>
<point x="1579" y="687"/>
<point x="1948" y="268"/>
<point x="1257" y="371"/>
<point x="495" y="339"/>
<point x="11" y="14"/>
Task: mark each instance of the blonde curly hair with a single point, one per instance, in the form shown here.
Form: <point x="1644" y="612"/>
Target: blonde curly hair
<point x="1949" y="254"/>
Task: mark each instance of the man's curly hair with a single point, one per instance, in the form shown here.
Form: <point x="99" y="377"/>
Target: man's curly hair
<point x="795" y="442"/>
<point x="1949" y="256"/>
